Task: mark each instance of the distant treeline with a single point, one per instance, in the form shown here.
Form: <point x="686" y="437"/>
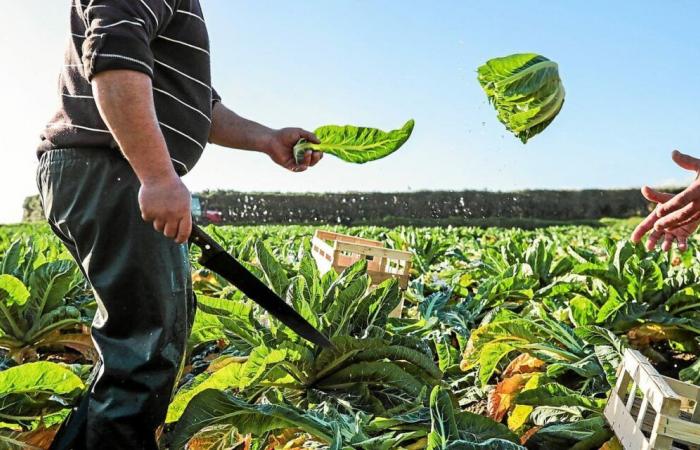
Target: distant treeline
<point x="418" y="208"/>
<point x="425" y="207"/>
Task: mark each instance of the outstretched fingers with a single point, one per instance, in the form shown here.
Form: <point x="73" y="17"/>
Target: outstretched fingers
<point x="677" y="217"/>
<point x="644" y="227"/>
<point x="648" y="223"/>
<point x="680" y="201"/>
<point x="654" y="238"/>
<point x="668" y="242"/>
<point x="686" y="161"/>
<point x="655" y="196"/>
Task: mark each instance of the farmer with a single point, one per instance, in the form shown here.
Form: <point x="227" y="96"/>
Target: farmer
<point x="675" y="218"/>
<point x="136" y="110"/>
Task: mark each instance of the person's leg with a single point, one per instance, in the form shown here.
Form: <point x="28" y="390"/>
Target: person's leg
<point x="142" y="286"/>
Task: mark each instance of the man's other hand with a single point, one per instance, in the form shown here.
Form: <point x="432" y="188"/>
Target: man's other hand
<point x="683" y="208"/>
<point x="679" y="235"/>
<point x="280" y="145"/>
<point x="166" y="202"/>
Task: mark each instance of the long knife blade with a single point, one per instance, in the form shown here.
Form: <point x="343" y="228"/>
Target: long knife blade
<point x="216" y="259"/>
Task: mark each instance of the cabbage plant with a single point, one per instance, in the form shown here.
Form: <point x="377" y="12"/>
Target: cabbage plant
<point x="526" y="91"/>
<point x="35" y="302"/>
<point x="355" y="144"/>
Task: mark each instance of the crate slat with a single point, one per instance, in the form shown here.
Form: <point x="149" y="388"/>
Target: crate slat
<point x="631" y="435"/>
<point x="364" y="249"/>
<point x="658" y="419"/>
<point x="332" y="236"/>
<point x="680" y="430"/>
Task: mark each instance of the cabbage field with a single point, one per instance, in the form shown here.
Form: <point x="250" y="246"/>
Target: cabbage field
<point x="509" y="339"/>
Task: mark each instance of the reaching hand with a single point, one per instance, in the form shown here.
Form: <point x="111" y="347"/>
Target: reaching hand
<point x="684" y="208"/>
<point x="281" y="144"/>
<point x="679" y="234"/>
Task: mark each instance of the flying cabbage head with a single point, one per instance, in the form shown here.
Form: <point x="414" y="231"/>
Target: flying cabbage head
<point x="526" y="91"/>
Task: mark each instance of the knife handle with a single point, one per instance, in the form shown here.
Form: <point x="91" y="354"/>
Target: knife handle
<point x="205" y="242"/>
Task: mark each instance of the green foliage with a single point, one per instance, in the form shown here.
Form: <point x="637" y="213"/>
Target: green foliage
<point x="526" y="91"/>
<point x="32" y="390"/>
<point x="534" y="321"/>
<point x="35" y="292"/>
<point x="355" y="144"/>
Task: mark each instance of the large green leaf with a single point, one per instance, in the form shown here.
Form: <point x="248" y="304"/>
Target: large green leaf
<point x="373" y="310"/>
<point x="475" y="427"/>
<point x="464" y="430"/>
<point x="262" y="366"/>
<point x="300" y="297"/>
<point x="526" y="91"/>
<point x="343" y="304"/>
<point x="206" y="328"/>
<point x="554" y="394"/>
<point x="227" y="377"/>
<point x="355" y="144"/>
<point x="443" y="425"/>
<point x="490" y="357"/>
<point x="374" y="373"/>
<point x="214" y="407"/>
<point x="400" y="353"/>
<point x="583" y="311"/>
<point x="275" y="274"/>
<point x="686" y="299"/>
<point x="49" y="284"/>
<point x="309" y="270"/>
<point x="587" y="434"/>
<point x="12" y="291"/>
<point x="12" y="259"/>
<point x="217" y="318"/>
<point x="260" y="362"/>
<point x="32" y="389"/>
<point x="56" y="318"/>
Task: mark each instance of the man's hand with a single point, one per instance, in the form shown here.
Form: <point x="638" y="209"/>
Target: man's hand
<point x="679" y="235"/>
<point x="280" y="144"/>
<point x="166" y="203"/>
<point x="228" y="129"/>
<point x="684" y="208"/>
<point x="125" y="101"/>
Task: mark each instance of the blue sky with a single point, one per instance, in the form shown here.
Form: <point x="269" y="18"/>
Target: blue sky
<point x="630" y="68"/>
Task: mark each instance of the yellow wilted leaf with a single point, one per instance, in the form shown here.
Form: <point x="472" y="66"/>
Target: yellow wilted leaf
<point x="523" y="364"/>
<point x="521" y="413"/>
<point x="420" y="444"/>
<point x="501" y="398"/>
<point x="470" y="356"/>
<point x="648" y="333"/>
<point x="612" y="444"/>
<point x="223" y="361"/>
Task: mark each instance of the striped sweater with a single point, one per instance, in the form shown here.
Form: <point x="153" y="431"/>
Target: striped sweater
<point x="165" y="39"/>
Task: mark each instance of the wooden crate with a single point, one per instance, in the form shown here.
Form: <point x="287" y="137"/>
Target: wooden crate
<point x="648" y="411"/>
<point x="382" y="263"/>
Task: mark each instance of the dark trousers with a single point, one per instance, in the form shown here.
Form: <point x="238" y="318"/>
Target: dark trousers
<point x="142" y="285"/>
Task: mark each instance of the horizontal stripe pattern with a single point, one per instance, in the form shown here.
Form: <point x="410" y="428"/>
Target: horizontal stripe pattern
<point x="169" y="44"/>
<point x="76" y="126"/>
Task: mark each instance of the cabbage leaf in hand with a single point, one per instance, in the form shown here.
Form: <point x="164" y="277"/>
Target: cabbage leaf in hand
<point x="526" y="91"/>
<point x="355" y="144"/>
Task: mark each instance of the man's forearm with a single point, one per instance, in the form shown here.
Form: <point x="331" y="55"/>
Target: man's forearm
<point x="125" y="101"/>
<point x="228" y="129"/>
